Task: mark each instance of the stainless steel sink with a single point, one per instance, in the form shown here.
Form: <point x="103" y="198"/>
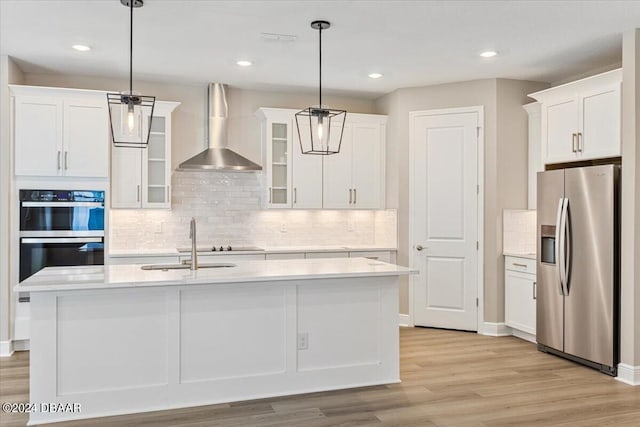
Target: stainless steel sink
<point x="166" y="267"/>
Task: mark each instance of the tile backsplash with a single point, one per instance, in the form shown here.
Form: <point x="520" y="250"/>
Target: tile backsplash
<point x="228" y="210"/>
<point x="519" y="231"/>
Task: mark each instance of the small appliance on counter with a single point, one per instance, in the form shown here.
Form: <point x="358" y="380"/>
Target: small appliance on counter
<point x="578" y="265"/>
<point x="60" y="228"/>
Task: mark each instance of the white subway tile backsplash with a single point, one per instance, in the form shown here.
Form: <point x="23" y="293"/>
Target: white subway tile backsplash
<point x="228" y="209"/>
<point x="519" y="231"/>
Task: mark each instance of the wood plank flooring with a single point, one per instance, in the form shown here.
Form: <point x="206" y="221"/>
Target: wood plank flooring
<point x="448" y="379"/>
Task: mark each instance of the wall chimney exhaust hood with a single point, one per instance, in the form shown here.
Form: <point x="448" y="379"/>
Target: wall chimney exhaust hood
<point x="217" y="157"/>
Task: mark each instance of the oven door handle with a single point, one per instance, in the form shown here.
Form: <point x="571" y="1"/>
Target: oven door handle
<point x="62" y="204"/>
<point x="61" y="240"/>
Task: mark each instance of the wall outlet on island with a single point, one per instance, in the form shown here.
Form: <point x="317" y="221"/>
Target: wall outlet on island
<point x="303" y="341"/>
<point x="283" y="227"/>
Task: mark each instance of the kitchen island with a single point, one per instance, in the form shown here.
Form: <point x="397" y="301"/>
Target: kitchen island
<point x="119" y="339"/>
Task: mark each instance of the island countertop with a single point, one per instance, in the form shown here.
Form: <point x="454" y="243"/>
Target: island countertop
<point x="132" y="276"/>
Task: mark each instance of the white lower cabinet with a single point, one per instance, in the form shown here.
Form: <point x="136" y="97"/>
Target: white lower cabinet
<point x="311" y="255"/>
<point x="292" y="255"/>
<point x="142" y="259"/>
<point x="384" y="256"/>
<point x="520" y="296"/>
<point x="206" y="258"/>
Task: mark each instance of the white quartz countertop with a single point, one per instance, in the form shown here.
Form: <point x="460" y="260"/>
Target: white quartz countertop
<point x="520" y="255"/>
<point x="130" y="276"/>
<point x="122" y="253"/>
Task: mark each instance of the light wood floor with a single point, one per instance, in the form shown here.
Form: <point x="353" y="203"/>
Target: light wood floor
<point x="448" y="379"/>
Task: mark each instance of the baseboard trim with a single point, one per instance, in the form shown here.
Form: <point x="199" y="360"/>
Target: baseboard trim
<point x="6" y="348"/>
<point x="404" y="320"/>
<point x="494" y="329"/>
<point x="21" y="345"/>
<point x="524" y="335"/>
<point x="628" y="374"/>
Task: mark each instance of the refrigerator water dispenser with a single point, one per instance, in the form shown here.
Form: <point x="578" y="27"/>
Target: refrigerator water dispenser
<point x="548" y="244"/>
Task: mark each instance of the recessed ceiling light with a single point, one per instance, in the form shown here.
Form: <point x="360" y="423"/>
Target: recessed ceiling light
<point x="244" y="63"/>
<point x="81" y="47"/>
<point x="489" y="54"/>
<point x="375" y="75"/>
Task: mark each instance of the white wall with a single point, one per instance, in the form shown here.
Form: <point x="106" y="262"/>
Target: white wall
<point x="630" y="232"/>
<point x="9" y="74"/>
<point x="505" y="131"/>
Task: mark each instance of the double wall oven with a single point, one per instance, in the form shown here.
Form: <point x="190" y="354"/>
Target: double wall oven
<point x="60" y="228"/>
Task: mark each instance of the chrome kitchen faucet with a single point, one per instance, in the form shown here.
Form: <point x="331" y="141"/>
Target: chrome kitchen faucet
<point x="194" y="252"/>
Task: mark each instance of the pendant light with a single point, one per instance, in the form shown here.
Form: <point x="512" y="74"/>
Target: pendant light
<point x="130" y="113"/>
<point x="320" y="128"/>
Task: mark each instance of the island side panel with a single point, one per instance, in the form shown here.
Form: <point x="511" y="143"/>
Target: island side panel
<point x="143" y="349"/>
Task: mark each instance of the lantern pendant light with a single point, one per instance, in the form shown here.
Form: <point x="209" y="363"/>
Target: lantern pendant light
<point x="320" y="128"/>
<point x="130" y="113"/>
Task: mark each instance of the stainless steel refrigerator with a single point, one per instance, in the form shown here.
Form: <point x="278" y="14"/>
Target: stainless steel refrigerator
<point x="578" y="265"/>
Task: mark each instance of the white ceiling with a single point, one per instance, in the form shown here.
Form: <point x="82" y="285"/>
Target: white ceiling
<point x="413" y="43"/>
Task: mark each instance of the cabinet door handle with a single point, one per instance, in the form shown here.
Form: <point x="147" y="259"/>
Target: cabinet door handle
<point x="355" y="196"/>
<point x="168" y="193"/>
<point x="574" y="147"/>
<point x="138" y="193"/>
<point x="350" y="195"/>
<point x="535" y="296"/>
<point x="295" y="196"/>
<point x="66" y="160"/>
<point x="269" y="194"/>
<point x="580" y="142"/>
<point x="517" y="264"/>
<point x="59" y="160"/>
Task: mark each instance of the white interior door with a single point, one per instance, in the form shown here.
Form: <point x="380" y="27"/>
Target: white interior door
<point x="445" y="219"/>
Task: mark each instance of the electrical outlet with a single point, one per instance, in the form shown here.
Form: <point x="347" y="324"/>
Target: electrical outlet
<point x="349" y="225"/>
<point x="158" y="227"/>
<point x="303" y="341"/>
<point x="283" y="227"/>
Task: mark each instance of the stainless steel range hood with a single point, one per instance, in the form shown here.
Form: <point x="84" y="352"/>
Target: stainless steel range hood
<point x="218" y="158"/>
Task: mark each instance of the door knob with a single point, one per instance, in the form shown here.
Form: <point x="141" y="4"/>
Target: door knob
<point x="419" y="247"/>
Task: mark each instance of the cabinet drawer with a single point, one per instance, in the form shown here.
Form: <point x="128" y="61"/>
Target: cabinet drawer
<point x="523" y="265"/>
<point x="383" y="256"/>
<point x="292" y="255"/>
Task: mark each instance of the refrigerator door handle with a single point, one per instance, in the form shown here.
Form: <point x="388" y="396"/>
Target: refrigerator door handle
<point x="559" y="252"/>
<point x="567" y="259"/>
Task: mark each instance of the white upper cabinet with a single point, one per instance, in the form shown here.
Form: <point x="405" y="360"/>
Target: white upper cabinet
<point x="86" y="138"/>
<point x="141" y="177"/>
<point x="60" y="132"/>
<point x="354" y="178"/>
<point x="307" y="174"/>
<point x="277" y="139"/>
<point x="581" y="120"/>
<point x="338" y="173"/>
<point x="351" y="179"/>
<point x="38" y="135"/>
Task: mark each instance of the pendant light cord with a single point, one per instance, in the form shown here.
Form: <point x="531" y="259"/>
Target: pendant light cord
<point x="320" y="67"/>
<point x="131" y="47"/>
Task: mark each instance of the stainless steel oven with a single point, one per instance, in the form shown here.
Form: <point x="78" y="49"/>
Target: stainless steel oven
<point x="60" y="228"/>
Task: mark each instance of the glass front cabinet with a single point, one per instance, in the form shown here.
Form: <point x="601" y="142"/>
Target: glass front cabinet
<point x="141" y="177"/>
<point x="276" y="133"/>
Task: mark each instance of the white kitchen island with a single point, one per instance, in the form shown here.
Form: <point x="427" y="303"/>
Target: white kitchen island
<point x="119" y="339"/>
